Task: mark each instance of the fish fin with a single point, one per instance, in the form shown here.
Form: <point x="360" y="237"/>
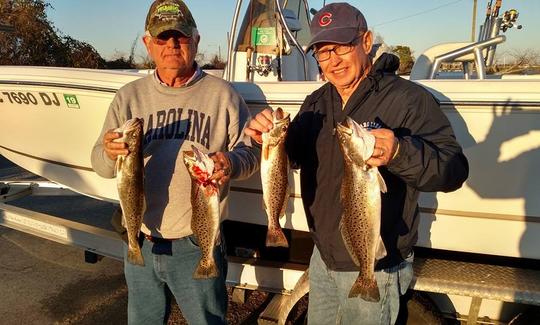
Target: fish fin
<point x="285" y="203"/>
<point x="265" y="151"/>
<point x="275" y="237"/>
<point x="206" y="271"/>
<point x="369" y="145"/>
<point x="367" y="289"/>
<point x="366" y="137"/>
<point x="382" y="183"/>
<point x="119" y="163"/>
<point x="380" y="250"/>
<point x="134" y="255"/>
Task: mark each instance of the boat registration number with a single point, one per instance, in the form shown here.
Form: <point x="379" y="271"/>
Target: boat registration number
<point x="38" y="98"/>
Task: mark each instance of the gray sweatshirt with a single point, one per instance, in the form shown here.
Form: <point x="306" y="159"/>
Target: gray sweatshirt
<point x="208" y="113"/>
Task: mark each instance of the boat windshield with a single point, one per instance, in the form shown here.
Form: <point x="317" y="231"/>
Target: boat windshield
<point x="260" y="30"/>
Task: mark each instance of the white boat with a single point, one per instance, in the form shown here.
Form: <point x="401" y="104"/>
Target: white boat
<point x="52" y="116"/>
<point x="55" y="115"/>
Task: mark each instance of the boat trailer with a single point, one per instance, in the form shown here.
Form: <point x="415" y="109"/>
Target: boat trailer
<point x="475" y="280"/>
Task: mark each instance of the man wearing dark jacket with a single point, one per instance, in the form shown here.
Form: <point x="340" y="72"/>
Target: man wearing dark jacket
<point x="415" y="150"/>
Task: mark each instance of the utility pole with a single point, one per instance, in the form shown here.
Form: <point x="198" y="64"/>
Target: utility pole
<point x="473" y="32"/>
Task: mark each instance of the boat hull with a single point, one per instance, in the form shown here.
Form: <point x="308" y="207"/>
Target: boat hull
<point x="52" y="118"/>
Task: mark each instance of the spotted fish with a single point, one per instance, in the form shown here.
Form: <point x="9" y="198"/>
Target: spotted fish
<point x="361" y="201"/>
<point x="274" y="177"/>
<point x="205" y="216"/>
<point x="130" y="183"/>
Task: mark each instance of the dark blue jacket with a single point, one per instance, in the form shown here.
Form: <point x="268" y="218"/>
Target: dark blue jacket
<point x="429" y="159"/>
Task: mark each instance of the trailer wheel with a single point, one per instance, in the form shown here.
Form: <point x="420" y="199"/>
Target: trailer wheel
<point x="421" y="310"/>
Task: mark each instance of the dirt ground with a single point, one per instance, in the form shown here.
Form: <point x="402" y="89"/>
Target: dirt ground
<point x="48" y="283"/>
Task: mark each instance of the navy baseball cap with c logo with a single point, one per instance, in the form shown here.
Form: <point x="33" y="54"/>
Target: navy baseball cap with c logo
<point x="338" y="23"/>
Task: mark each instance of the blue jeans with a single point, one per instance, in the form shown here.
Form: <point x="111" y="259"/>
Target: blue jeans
<point x="201" y="301"/>
<point x="329" y="290"/>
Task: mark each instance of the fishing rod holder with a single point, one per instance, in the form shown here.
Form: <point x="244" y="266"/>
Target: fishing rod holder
<point x="477" y="49"/>
<point x="264" y="65"/>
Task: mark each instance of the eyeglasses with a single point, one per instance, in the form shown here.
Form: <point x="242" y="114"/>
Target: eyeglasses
<point x="338" y="50"/>
<point x="164" y="37"/>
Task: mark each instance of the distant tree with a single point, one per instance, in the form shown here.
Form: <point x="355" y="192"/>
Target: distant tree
<point x="119" y="63"/>
<point x="523" y="60"/>
<point x="406" y="59"/>
<point x="35" y="40"/>
<point x="146" y="63"/>
<point x="82" y="55"/>
<point x="120" y="60"/>
<point x="215" y="63"/>
<point x="200" y="57"/>
<point x="131" y="58"/>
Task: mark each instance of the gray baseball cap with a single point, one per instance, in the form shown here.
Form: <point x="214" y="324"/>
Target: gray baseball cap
<point x="336" y="23"/>
<point x="165" y="15"/>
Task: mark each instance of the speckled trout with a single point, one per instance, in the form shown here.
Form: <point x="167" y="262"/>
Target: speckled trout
<point x="205" y="216"/>
<point x="361" y="200"/>
<point x="130" y="182"/>
<point x="274" y="177"/>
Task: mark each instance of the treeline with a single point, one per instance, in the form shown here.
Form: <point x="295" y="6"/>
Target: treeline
<point x="35" y="41"/>
<point x="403" y="52"/>
<point x="406" y="58"/>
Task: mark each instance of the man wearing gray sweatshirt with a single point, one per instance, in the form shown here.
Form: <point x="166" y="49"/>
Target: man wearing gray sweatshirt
<point x="181" y="106"/>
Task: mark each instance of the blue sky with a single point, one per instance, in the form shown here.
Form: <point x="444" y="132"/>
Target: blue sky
<point x="111" y="26"/>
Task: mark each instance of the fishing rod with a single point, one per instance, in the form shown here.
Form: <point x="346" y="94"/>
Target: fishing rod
<point x="485" y="28"/>
<point x="495" y="12"/>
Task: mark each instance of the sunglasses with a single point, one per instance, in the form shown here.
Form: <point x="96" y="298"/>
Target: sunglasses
<point x="164" y="37"/>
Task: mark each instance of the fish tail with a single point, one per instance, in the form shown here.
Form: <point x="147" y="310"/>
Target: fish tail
<point x="367" y="289"/>
<point x="275" y="237"/>
<point x="206" y="269"/>
<point x="134" y="255"/>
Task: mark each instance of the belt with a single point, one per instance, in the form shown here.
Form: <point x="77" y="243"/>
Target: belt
<point x="162" y="246"/>
<point x="158" y="240"/>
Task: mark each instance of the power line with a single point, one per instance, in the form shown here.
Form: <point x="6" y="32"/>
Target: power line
<point x="417" y="14"/>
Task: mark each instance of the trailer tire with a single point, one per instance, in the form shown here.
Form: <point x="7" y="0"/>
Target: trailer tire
<point x="421" y="310"/>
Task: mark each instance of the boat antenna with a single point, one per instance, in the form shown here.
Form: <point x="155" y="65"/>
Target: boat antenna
<point x="473" y="31"/>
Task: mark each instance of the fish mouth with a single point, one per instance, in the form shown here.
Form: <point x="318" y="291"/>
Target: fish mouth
<point x="343" y="128"/>
<point x="189" y="155"/>
<point x="196" y="157"/>
<point x="199" y="155"/>
<point x="132" y="124"/>
<point x="132" y="128"/>
<point x="279" y="114"/>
